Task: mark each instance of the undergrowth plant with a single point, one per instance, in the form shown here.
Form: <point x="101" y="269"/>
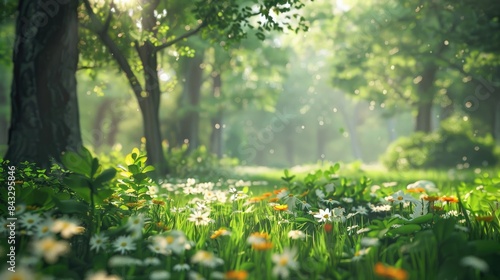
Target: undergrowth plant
<point x="117" y="223"/>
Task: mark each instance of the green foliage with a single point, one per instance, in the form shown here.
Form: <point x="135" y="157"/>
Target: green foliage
<point x="198" y="163"/>
<point x="450" y="146"/>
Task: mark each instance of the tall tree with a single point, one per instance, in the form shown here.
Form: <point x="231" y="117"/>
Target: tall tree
<point x="45" y="120"/>
<point x="163" y="24"/>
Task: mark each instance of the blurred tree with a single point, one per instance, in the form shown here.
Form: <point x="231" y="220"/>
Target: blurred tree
<point x="138" y="36"/>
<point x="404" y="53"/>
<point x="45" y="120"/>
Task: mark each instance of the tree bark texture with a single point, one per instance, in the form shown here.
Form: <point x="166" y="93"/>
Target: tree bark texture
<point x="45" y="119"/>
<point x="426" y="94"/>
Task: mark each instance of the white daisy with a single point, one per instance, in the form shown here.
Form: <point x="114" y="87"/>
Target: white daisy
<point x="323" y="215"/>
<point x="98" y="242"/>
<point x="283" y="262"/>
<point x="124" y="244"/>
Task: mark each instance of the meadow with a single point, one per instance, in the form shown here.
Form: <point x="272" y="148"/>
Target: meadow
<point x="99" y="221"/>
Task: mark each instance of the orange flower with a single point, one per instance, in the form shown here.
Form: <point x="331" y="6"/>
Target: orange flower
<point x="390" y="272"/>
<point x="273" y="199"/>
<point x="484" y="218"/>
<point x="262" y="246"/>
<point x="267" y="194"/>
<point x="430" y="198"/>
<point x="158" y="202"/>
<point x="279" y="190"/>
<point x="262" y="235"/>
<point x="280" y="207"/>
<point x="219" y="232"/>
<point x="236" y="275"/>
<point x="449" y="199"/>
<point x="256" y="199"/>
<point x="328" y="227"/>
<point x="416" y="190"/>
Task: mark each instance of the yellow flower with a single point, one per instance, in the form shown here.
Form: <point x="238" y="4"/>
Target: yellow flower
<point x="280" y="207"/>
<point x="219" y="232"/>
<point x="262" y="246"/>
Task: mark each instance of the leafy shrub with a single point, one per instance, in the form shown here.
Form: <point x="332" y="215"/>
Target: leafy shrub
<point x="452" y="145"/>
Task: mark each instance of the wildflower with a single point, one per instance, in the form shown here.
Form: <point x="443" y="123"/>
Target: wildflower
<point x="280" y="207"/>
<point x="123" y="244"/>
<point x="151" y="261"/>
<point x="363" y="230"/>
<point x="420" y="208"/>
<point x="361" y="210"/>
<point x="181" y="267"/>
<point x="67" y="228"/>
<point x="158" y="202"/>
<point x="101" y="275"/>
<point x="98" y="241"/>
<point x="193" y="275"/>
<point x="153" y="191"/>
<point x="283" y="262"/>
<point x="416" y="190"/>
<point x="199" y="218"/>
<point x="320" y="194"/>
<point x="262" y="246"/>
<point x="390" y="272"/>
<point x="429" y="198"/>
<point x="273" y="199"/>
<point x="21" y="273"/>
<point x="347" y="200"/>
<point x="381" y="208"/>
<point x="278" y="191"/>
<point x="159" y="275"/>
<point x="29" y="220"/>
<point x="475" y="263"/>
<point x="117" y="261"/>
<point x="400" y="197"/>
<point x="296" y="234"/>
<point x="135" y="224"/>
<point x="330" y="201"/>
<point x="257" y="237"/>
<point x="359" y="254"/>
<point x="43" y="229"/>
<point x="369" y="241"/>
<point x="428" y="186"/>
<point x="267" y="194"/>
<point x="337" y="214"/>
<point x="328" y="227"/>
<point x="51" y="248"/>
<point x="206" y="258"/>
<point x="449" y="199"/>
<point x="220" y="232"/>
<point x="236" y="275"/>
<point x="329" y="188"/>
<point x="323" y="215"/>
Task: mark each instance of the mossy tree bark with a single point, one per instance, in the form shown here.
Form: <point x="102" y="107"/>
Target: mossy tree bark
<point x="45" y="119"/>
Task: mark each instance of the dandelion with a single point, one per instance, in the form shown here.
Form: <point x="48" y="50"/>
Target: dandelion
<point x="284" y="262"/>
<point x="390" y="272"/>
<point x="29" y="220"/>
<point x="199" y="218"/>
<point x="220" y="232"/>
<point x="236" y="275"/>
<point x="159" y="275"/>
<point x="206" y="258"/>
<point x="51" y="248"/>
<point x="98" y="241"/>
<point x="323" y="215"/>
<point x="67" y="228"/>
<point x="296" y="234"/>
<point x="101" y="275"/>
<point x="475" y="263"/>
<point x="124" y="244"/>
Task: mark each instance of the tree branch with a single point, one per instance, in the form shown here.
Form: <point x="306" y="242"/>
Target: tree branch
<point x="114" y="50"/>
<point x="180" y="38"/>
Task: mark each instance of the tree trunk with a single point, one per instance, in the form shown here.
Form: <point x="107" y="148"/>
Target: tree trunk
<point x="216" y="135"/>
<point x="113" y="128"/>
<point x="426" y="96"/>
<point x="98" y="129"/>
<point x="3" y="114"/>
<point x="192" y="89"/>
<point x="149" y="103"/>
<point x="45" y="120"/>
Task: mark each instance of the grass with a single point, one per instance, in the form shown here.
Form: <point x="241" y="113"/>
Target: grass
<point x="328" y="223"/>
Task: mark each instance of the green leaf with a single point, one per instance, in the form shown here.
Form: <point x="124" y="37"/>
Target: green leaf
<point x="105" y="176"/>
<point x="134" y="169"/>
<point x="405" y="229"/>
<point x="422" y="219"/>
<point x="95" y="167"/>
<point x="71" y="206"/>
<point x="79" y="162"/>
<point x="148" y="168"/>
<point x="303" y="219"/>
<point x="485" y="247"/>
